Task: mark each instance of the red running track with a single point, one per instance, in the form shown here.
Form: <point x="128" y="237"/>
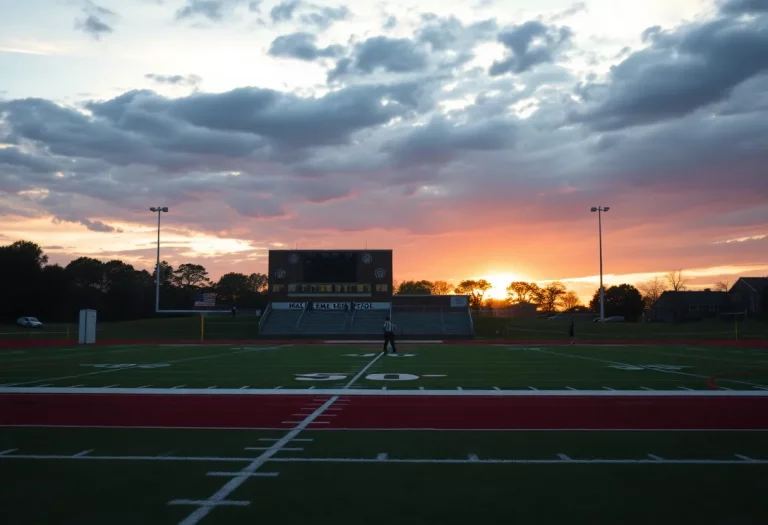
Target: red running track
<point x="384" y="412"/>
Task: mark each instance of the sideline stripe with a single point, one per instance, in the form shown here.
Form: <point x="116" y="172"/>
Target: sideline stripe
<point x="351" y="391"/>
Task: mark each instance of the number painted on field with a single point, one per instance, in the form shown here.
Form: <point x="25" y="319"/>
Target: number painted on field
<point x="391" y="377"/>
<point x="320" y="377"/>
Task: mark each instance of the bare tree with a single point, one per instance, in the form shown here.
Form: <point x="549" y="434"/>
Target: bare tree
<point x="652" y="290"/>
<point x="723" y="285"/>
<point x="676" y="280"/>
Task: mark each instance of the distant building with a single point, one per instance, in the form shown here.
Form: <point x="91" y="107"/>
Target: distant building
<point x="750" y="294"/>
<point x="690" y="306"/>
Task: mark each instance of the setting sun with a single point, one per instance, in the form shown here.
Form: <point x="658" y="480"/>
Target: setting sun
<point x="499" y="283"/>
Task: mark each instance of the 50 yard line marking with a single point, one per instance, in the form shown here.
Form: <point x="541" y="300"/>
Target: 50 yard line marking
<point x="204" y="507"/>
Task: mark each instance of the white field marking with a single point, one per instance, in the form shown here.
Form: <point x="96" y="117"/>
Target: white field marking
<point x="76" y="386"/>
<point x="532" y="388"/>
<point x="242" y="474"/>
<point x="278" y="387"/>
<point x="666" y="371"/>
<point x="570" y="388"/>
<point x="179" y="386"/>
<point x="383" y="388"/>
<point x="203" y="510"/>
<point x="473" y="457"/>
<point x="8" y="451"/>
<point x="210" y="387"/>
<point x="145" y="386"/>
<point x="83" y="453"/>
<point x="564" y="457"/>
<point x="421" y="388"/>
<point x="382" y="456"/>
<point x="363" y="371"/>
<point x="607" y="388"/>
<point x="310" y="388"/>
<point x="303" y="440"/>
<point x="292" y="449"/>
<point x="377" y="342"/>
<point x="291" y="422"/>
<point x="496" y="388"/>
<point x="250" y="474"/>
<point x="208" y="504"/>
<point x="354" y="391"/>
<point x="108" y="386"/>
<point x="243" y="387"/>
<point x="43" y="386"/>
<point x="685" y="388"/>
<point x="654" y="456"/>
<point x="646" y="388"/>
<point x="110" y="370"/>
<point x="745" y="458"/>
<point x="434" y="375"/>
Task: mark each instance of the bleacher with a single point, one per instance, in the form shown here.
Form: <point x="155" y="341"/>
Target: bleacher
<point x="411" y="322"/>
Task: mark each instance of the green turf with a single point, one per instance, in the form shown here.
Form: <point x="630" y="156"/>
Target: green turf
<point x="578" y="367"/>
<point x="138" y="490"/>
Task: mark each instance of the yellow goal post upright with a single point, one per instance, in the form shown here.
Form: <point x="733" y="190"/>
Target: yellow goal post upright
<point x="736" y="316"/>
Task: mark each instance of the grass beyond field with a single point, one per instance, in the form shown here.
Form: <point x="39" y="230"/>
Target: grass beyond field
<point x="339" y="433"/>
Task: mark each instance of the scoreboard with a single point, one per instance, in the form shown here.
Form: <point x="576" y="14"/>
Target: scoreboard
<point x="331" y="274"/>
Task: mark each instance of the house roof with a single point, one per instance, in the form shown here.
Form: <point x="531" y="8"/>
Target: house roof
<point x="755" y="283"/>
<point x="703" y="298"/>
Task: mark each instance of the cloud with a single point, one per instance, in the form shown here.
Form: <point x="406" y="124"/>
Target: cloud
<point x="175" y="80"/>
<point x="283" y="12"/>
<point x="390" y="23"/>
<point x="682" y="70"/>
<point x="95" y="23"/>
<point x="302" y="46"/>
<point x="213" y="10"/>
<point x="324" y="17"/>
<point x="530" y="44"/>
<point x="381" y="53"/>
<point x="94" y="226"/>
<point x="575" y="9"/>
<point x="741" y="7"/>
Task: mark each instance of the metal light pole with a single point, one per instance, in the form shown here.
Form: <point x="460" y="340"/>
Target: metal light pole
<point x="600" y="210"/>
<point x="159" y="211"/>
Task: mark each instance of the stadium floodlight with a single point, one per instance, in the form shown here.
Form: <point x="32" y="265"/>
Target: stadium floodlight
<point x="159" y="210"/>
<point x="600" y="210"/>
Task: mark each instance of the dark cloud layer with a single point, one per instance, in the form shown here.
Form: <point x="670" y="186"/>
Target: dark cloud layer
<point x="302" y="46"/>
<point x="529" y="45"/>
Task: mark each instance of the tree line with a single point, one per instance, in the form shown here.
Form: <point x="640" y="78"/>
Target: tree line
<point x="117" y="290"/>
<point x="620" y="300"/>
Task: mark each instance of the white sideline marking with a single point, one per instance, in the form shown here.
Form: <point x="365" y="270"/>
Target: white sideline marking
<point x="654" y="456"/>
<point x="208" y="504"/>
<point x="350" y="391"/>
<point x="210" y="387"/>
<point x="278" y="387"/>
<point x="532" y="388"/>
<point x="607" y="388"/>
<point x="203" y="510"/>
<point x="564" y="457"/>
<point x="244" y="474"/>
<point x="745" y="458"/>
<point x="108" y="386"/>
<point x="8" y="451"/>
<point x="685" y="388"/>
<point x="82" y="453"/>
<point x="250" y="474"/>
<point x="145" y="386"/>
<point x="76" y="386"/>
<point x="570" y="388"/>
<point x="363" y="371"/>
<point x="382" y="456"/>
<point x="179" y="386"/>
<point x="311" y="388"/>
<point x="243" y="387"/>
<point x="496" y="388"/>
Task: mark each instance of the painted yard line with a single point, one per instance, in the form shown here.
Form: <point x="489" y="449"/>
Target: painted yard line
<point x="640" y="366"/>
<point x="83" y="453"/>
<point x="303" y="440"/>
<point x="570" y="388"/>
<point x="654" y="456"/>
<point x="179" y="386"/>
<point x="495" y="388"/>
<point x="108" y="386"/>
<point x="363" y="371"/>
<point x="234" y="483"/>
<point x="76" y="386"/>
<point x="607" y="388"/>
<point x="294" y="449"/>
<point x="382" y="456"/>
<point x="532" y="388"/>
<point x="210" y="387"/>
<point x="243" y="387"/>
<point x="278" y="387"/>
<point x="354" y="391"/>
<point x="208" y="504"/>
<point x="564" y="457"/>
<point x="251" y="474"/>
<point x="8" y="451"/>
<point x="646" y="388"/>
<point x="745" y="458"/>
<point x="244" y="475"/>
<point x="42" y="386"/>
<point x="685" y="388"/>
<point x="185" y="360"/>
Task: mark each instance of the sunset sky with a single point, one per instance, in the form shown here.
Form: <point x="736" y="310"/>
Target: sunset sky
<point x="471" y="137"/>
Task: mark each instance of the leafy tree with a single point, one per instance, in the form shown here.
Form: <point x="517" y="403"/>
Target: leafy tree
<point x="522" y="292"/>
<point x="231" y="287"/>
<point x="550" y="296"/>
<point x="624" y="300"/>
<point x="258" y="283"/>
<point x="191" y="276"/>
<point x="415" y="287"/>
<point x="475" y="289"/>
<point x="86" y="272"/>
<point x="441" y="288"/>
<point x="570" y="301"/>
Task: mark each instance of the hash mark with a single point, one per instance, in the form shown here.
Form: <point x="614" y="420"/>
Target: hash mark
<point x="211" y="387"/>
<point x="496" y="388"/>
<point x="8" y="451"/>
<point x="237" y="474"/>
<point x="533" y="388"/>
<point x="178" y="386"/>
<point x="685" y="388"/>
<point x="745" y="458"/>
<point x="82" y="453"/>
<point x="654" y="456"/>
<point x="243" y="387"/>
<point x="607" y="388"/>
<point x="570" y="388"/>
<point x="473" y="457"/>
<point x="646" y="388"/>
<point x="564" y="457"/>
<point x="382" y="457"/>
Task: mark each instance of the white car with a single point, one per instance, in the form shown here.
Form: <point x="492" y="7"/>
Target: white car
<point x="29" y="322"/>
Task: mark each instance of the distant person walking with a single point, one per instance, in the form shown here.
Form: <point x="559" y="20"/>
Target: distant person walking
<point x="389" y="335"/>
<point x="572" y="331"/>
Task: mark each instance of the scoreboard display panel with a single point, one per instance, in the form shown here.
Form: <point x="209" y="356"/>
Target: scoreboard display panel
<point x="330" y="267"/>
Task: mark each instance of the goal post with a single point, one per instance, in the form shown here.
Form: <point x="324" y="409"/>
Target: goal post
<point x="735" y="317"/>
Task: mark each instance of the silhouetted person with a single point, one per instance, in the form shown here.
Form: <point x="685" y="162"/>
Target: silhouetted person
<point x="572" y="331"/>
<point x="389" y="335"/>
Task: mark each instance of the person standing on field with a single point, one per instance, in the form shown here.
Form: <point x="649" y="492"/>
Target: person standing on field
<point x="389" y="335"/>
<point x="572" y="331"/>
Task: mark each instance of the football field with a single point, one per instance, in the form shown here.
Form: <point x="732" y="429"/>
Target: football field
<point x="340" y="433"/>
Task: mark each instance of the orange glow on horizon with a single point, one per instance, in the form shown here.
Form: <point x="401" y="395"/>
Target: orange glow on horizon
<point x="499" y="283"/>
